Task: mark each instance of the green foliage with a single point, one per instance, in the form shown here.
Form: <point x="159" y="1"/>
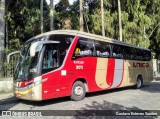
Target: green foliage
<point x="74" y="15"/>
<point x="23" y="20"/>
<point x="62" y="9"/>
<point x="140" y="20"/>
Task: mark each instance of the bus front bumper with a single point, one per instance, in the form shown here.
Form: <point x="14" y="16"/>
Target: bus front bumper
<point x="26" y="93"/>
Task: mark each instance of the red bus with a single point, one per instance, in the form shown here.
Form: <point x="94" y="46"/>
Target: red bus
<point x="72" y="63"/>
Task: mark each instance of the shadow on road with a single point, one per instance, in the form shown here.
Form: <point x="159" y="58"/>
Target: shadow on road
<point x="153" y="87"/>
<point x="6" y="104"/>
<point x="46" y="102"/>
<point x="104" y="110"/>
<point x="109" y="91"/>
<point x="10" y="102"/>
<point x="65" y="99"/>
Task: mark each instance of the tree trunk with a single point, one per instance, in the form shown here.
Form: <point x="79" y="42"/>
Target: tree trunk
<point x="2" y="32"/>
<point x="52" y="15"/>
<point x="41" y="16"/>
<point x="81" y="16"/>
<point x="120" y="20"/>
<point x="102" y="18"/>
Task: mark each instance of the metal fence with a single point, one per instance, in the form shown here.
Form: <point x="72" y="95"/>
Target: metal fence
<point x="7" y="70"/>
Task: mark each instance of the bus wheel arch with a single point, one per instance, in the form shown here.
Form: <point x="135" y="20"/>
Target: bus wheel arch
<point x="139" y="81"/>
<point x="79" y="89"/>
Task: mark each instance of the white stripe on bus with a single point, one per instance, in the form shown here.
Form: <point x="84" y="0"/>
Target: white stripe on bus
<point x="118" y="73"/>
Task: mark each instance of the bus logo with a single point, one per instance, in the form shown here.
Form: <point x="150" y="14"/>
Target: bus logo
<point x="140" y="64"/>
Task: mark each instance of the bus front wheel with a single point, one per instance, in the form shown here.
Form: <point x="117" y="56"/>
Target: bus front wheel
<point x="78" y="91"/>
<point x="139" y="83"/>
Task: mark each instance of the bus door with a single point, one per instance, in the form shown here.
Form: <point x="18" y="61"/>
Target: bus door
<point x="50" y="63"/>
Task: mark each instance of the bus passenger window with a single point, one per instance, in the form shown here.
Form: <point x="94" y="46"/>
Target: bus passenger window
<point x="83" y="48"/>
<point x="146" y="55"/>
<point x="117" y="51"/>
<point x="102" y="49"/>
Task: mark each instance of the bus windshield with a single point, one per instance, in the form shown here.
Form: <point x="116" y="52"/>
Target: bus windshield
<point x="53" y="57"/>
<point x="27" y="66"/>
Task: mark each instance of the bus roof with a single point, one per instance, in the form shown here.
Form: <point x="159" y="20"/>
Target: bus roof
<point x="88" y="35"/>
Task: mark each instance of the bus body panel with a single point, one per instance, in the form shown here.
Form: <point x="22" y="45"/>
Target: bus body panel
<point x="84" y="68"/>
<point x="29" y="90"/>
<point x="99" y="74"/>
<point x="134" y="68"/>
<point x="50" y="85"/>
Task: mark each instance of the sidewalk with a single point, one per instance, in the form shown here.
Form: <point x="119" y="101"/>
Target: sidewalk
<point x="6" y="96"/>
<point x="6" y="86"/>
<point x="157" y="77"/>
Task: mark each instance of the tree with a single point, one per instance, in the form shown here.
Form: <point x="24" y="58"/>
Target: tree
<point x="94" y="17"/>
<point x="52" y="15"/>
<point x="24" y="21"/>
<point x="75" y="15"/>
<point x="2" y="32"/>
<point x="81" y="15"/>
<point x="154" y="33"/>
<point x="41" y="7"/>
<point x="120" y="21"/>
<point x="102" y="15"/>
<point x="63" y="12"/>
<point x="139" y="20"/>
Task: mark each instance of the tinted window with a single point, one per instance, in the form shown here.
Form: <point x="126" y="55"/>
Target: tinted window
<point x="65" y="42"/>
<point x="138" y="54"/>
<point x="102" y="49"/>
<point x="84" y="48"/>
<point x="54" y="54"/>
<point x="130" y="53"/>
<point x="117" y="51"/>
<point x="62" y="38"/>
<point x="50" y="59"/>
<point x="146" y="55"/>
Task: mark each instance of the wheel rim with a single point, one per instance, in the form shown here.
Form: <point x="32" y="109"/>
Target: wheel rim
<point x="139" y="83"/>
<point x="78" y="91"/>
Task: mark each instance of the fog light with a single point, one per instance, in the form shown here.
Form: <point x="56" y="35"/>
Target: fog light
<point x="18" y="95"/>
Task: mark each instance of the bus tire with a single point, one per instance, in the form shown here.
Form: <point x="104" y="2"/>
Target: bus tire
<point x="139" y="83"/>
<point x="78" y="91"/>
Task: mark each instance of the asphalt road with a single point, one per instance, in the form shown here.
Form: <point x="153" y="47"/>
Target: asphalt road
<point x="146" y="98"/>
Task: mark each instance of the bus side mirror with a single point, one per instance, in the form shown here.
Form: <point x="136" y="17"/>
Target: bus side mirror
<point x="33" y="49"/>
<point x="12" y="53"/>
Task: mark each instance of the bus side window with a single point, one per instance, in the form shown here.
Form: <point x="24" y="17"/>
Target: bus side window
<point x="146" y="55"/>
<point x="102" y="49"/>
<point x="84" y="48"/>
<point x="139" y="54"/>
<point x="50" y="59"/>
<point x="117" y="51"/>
<point x="129" y="53"/>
